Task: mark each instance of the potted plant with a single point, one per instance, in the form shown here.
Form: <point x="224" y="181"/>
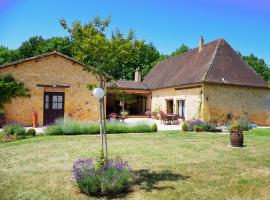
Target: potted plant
<point x="2" y="118"/>
<point x="124" y="114"/>
<point x="113" y="116"/>
<point x="236" y="134"/>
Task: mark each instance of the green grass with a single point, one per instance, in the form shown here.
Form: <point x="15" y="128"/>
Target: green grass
<point x="168" y="165"/>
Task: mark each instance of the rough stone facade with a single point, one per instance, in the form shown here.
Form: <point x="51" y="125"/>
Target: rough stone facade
<point x="248" y="103"/>
<point x="192" y="97"/>
<point x="52" y="70"/>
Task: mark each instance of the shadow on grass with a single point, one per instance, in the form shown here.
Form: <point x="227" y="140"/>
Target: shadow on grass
<point x="149" y="180"/>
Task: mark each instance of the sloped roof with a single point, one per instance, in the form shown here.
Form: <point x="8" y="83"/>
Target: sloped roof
<point x="123" y="84"/>
<point x="217" y="62"/>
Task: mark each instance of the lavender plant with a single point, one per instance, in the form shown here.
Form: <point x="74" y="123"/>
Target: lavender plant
<point x="111" y="177"/>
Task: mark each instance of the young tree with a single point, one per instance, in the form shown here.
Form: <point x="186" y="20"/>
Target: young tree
<point x="104" y="55"/>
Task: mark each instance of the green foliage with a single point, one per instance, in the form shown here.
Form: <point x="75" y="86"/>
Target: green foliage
<point x="35" y="46"/>
<point x="242" y="125"/>
<point x="207" y="127"/>
<point x="235" y="127"/>
<point x="31" y="132"/>
<point x="110" y="55"/>
<point x="10" y="88"/>
<point x="101" y="176"/>
<point x="259" y="65"/>
<point x="182" y="49"/>
<point x="7" y="55"/>
<point x="246" y="126"/>
<point x="115" y="181"/>
<point x="199" y="128"/>
<point x="184" y="126"/>
<point x="31" y="47"/>
<point x="146" y="58"/>
<point x="15" y="129"/>
<point x="154" y="127"/>
<point x="72" y="127"/>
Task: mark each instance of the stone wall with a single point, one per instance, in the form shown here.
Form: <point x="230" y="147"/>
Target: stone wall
<point x="192" y="97"/>
<point x="248" y="103"/>
<point x="52" y="70"/>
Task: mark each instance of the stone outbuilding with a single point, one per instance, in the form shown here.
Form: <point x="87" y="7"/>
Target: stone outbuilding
<point x="57" y="87"/>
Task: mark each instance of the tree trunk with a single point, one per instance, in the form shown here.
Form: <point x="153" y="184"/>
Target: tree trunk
<point x="101" y="126"/>
<point x="104" y="127"/>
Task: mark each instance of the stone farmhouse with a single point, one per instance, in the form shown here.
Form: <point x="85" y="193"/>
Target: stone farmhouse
<point x="211" y="81"/>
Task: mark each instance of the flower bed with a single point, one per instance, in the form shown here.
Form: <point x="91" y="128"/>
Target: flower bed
<point x="73" y="127"/>
<point x="101" y="177"/>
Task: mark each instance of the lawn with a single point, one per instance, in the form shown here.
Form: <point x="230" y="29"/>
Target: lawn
<point x="167" y="165"/>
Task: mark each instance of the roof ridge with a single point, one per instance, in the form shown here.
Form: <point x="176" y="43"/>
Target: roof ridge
<point x="211" y="63"/>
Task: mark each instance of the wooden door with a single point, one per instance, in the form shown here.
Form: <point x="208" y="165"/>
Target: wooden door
<point x="53" y="106"/>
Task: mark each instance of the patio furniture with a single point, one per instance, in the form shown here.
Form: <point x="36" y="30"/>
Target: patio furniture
<point x="172" y="119"/>
<point x="164" y="119"/>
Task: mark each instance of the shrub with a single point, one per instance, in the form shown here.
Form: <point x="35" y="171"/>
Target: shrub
<point x="72" y="127"/>
<point x="235" y="127"/>
<point x="207" y="127"/>
<point x="242" y="125"/>
<point x="15" y="129"/>
<point x="102" y="177"/>
<point x="185" y="127"/>
<point x="246" y="126"/>
<point x="154" y="127"/>
<point x="53" y="130"/>
<point x="31" y="132"/>
<point x="193" y="123"/>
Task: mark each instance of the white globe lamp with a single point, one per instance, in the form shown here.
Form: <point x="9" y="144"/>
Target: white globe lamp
<point x="98" y="93"/>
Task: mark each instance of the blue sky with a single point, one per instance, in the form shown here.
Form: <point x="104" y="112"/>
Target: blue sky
<point x="245" y="24"/>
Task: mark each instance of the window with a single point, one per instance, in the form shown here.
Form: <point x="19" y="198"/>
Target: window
<point x="46" y="102"/>
<point x="57" y="102"/>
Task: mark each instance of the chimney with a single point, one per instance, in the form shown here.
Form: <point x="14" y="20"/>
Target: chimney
<point x="138" y="76"/>
<point x="201" y="43"/>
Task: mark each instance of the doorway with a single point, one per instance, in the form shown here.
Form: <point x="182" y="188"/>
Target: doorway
<point x="169" y="106"/>
<point x="53" y="106"/>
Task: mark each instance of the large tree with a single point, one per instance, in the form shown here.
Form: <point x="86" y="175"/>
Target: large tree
<point x="104" y="54"/>
<point x="31" y="47"/>
<point x="147" y="56"/>
<point x="7" y="55"/>
<point x="259" y="65"/>
<point x="182" y="49"/>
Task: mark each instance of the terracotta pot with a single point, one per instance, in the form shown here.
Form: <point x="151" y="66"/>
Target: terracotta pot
<point x="2" y="120"/>
<point x="237" y="138"/>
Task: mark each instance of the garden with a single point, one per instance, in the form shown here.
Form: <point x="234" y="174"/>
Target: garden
<point x="163" y="165"/>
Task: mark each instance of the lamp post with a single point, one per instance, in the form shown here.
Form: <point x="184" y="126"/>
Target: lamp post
<point x="99" y="94"/>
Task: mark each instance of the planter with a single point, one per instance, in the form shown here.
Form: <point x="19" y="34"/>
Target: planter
<point x="237" y="138"/>
<point x="2" y="120"/>
<point x="198" y="129"/>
